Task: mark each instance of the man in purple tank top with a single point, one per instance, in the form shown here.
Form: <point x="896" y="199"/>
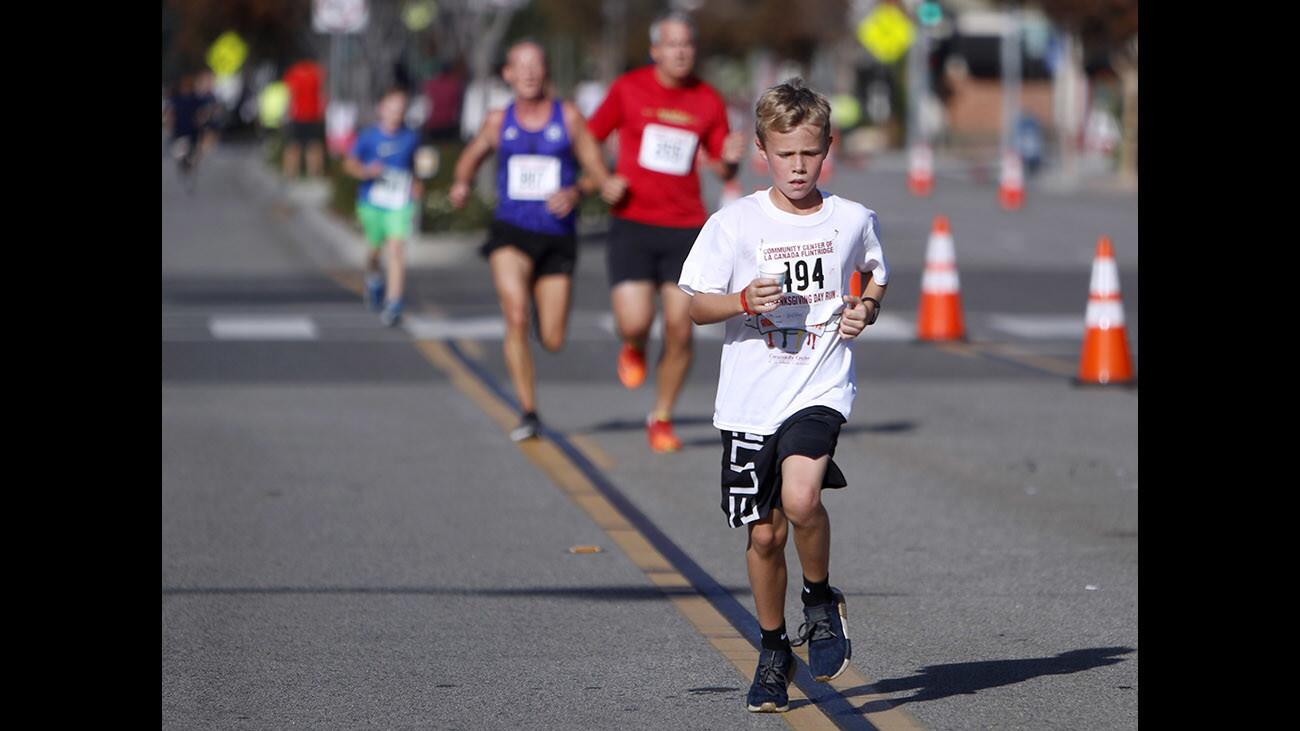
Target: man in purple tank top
<point x="532" y="246"/>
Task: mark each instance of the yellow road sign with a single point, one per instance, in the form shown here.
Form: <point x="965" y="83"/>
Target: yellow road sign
<point x="227" y="53"/>
<point x="886" y="32"/>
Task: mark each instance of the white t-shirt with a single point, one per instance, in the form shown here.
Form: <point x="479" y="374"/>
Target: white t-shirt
<point x="778" y="363"/>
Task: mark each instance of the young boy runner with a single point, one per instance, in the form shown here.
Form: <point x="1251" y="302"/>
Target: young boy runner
<point x="532" y="248"/>
<point x="787" y="380"/>
<point x="383" y="157"/>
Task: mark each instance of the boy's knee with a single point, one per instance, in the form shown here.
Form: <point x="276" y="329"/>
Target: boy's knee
<point x="767" y="539"/>
<point x="802" y="504"/>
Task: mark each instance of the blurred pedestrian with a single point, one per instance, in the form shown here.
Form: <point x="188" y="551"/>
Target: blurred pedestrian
<point x="182" y="116"/>
<point x="532" y="248"/>
<point x="663" y="113"/>
<point x="444" y="94"/>
<point x="774" y="266"/>
<point x="383" y="158"/>
<point x="306" y="82"/>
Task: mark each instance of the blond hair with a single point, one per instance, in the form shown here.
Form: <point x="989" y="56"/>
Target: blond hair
<point x="787" y="106"/>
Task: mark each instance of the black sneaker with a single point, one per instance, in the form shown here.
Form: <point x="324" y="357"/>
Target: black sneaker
<point x="826" y="630"/>
<point x="770" y="691"/>
<point x="530" y="427"/>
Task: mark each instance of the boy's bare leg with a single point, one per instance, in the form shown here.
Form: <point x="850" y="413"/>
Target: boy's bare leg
<point x="396" y="269"/>
<point x="765" y="556"/>
<point x="511" y="271"/>
<point x="801" y="487"/>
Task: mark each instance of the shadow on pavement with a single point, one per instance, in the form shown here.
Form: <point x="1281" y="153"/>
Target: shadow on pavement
<point x="890" y="427"/>
<point x="941" y="681"/>
<point x="602" y="593"/>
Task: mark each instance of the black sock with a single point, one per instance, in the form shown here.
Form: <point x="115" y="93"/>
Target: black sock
<point x="530" y="414"/>
<point x="816" y="592"/>
<point x="775" y="639"/>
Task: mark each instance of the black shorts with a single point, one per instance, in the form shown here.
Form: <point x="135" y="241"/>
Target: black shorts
<point x="639" y="251"/>
<point x="751" y="463"/>
<point x="551" y="254"/>
<point x="307" y="131"/>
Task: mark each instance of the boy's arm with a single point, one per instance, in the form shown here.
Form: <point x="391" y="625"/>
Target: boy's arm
<point x="352" y="165"/>
<point x="759" y="297"/>
<point x="861" y="311"/>
<point x="472" y="156"/>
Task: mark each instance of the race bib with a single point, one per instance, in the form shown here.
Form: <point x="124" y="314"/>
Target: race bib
<point x="812" y="284"/>
<point x="532" y="177"/>
<point x="667" y="149"/>
<point x="391" y="190"/>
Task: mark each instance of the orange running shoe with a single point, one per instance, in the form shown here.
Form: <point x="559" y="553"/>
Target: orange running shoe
<point x="631" y="366"/>
<point x="660" y="434"/>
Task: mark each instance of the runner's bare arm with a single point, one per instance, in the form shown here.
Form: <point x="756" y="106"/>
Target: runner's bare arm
<point x="728" y="163"/>
<point x="483" y="144"/>
<point x="584" y="146"/>
<point x="352" y="166"/>
<point x="760" y="296"/>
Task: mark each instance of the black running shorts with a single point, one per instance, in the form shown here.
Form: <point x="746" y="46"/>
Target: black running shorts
<point x="751" y="463"/>
<point x="641" y="252"/>
<point x="551" y="254"/>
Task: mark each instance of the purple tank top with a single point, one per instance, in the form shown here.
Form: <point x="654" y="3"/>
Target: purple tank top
<point x="529" y="164"/>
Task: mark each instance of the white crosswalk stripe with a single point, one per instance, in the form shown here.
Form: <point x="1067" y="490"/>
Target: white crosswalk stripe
<point x="584" y="326"/>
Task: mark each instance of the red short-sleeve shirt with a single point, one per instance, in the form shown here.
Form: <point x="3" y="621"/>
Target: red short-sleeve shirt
<point x="306" y="102"/>
<point x="659" y="131"/>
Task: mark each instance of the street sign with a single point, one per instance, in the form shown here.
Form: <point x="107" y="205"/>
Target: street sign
<point x="886" y="32"/>
<point x="227" y="53"/>
<point x="930" y="13"/>
<point x="339" y="16"/>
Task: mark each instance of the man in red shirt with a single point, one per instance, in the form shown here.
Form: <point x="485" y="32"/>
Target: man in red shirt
<point x="305" y="81"/>
<point x="663" y="114"/>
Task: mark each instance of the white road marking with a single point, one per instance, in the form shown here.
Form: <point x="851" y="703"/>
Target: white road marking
<point x="262" y="328"/>
<point x="1038" y="326"/>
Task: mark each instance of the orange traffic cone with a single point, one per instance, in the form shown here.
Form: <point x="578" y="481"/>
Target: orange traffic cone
<point x="1011" y="189"/>
<point x="1105" y="345"/>
<point x="939" y="315"/>
<point x="920" y="172"/>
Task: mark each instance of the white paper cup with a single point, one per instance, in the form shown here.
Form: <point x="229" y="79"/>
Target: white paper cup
<point x="772" y="270"/>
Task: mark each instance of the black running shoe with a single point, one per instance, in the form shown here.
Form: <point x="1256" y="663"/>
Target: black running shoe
<point x="826" y="630"/>
<point x="770" y="691"/>
<point x="530" y="427"/>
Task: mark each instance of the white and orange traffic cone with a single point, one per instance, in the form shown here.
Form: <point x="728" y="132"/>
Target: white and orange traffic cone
<point x="939" y="314"/>
<point x="920" y="170"/>
<point x="1011" y="188"/>
<point x="1104" y="359"/>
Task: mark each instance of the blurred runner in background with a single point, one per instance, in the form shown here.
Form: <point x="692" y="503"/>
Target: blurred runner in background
<point x="532" y="248"/>
<point x="662" y="114"/>
<point x="383" y="158"/>
<point x="306" y="82"/>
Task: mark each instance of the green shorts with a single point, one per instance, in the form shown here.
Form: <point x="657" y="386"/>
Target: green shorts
<point x="383" y="224"/>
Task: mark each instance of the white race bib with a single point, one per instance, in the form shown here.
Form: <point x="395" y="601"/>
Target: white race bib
<point x="532" y="177"/>
<point x="812" y="283"/>
<point x="391" y="190"/>
<point x="667" y="149"/>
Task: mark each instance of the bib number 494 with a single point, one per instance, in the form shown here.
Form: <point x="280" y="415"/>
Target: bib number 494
<point x="799" y="279"/>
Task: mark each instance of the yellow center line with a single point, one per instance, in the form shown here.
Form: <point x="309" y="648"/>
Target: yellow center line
<point x="702" y="615"/>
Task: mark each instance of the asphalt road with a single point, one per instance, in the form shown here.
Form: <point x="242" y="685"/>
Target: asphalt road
<point x="349" y="538"/>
